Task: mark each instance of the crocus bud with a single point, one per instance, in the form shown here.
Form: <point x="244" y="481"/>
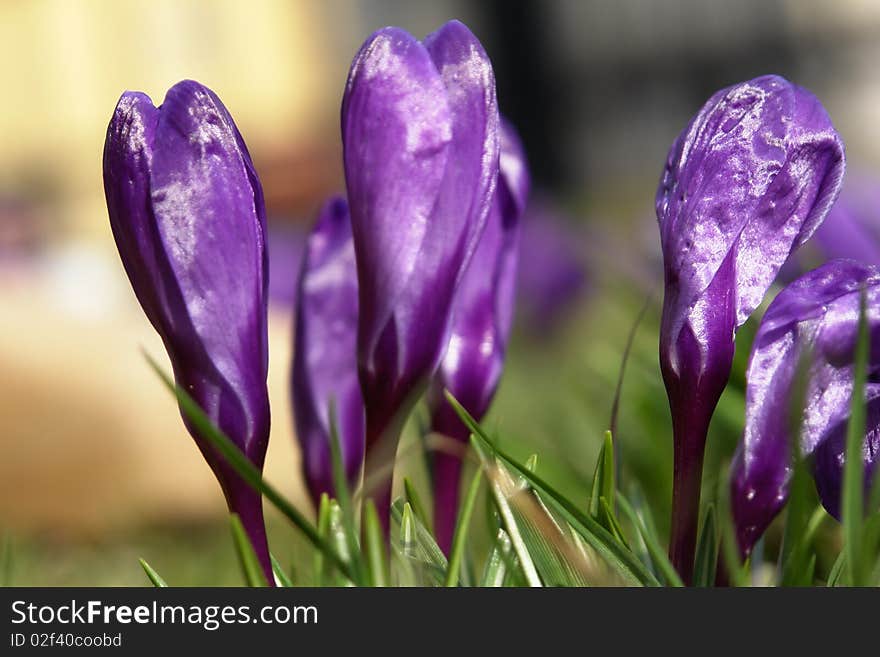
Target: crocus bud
<point x="186" y="210"/>
<point x="746" y="182"/>
<point x="482" y="316"/>
<point x="420" y="147"/>
<point x="325" y="352"/>
<point x="815" y="317"/>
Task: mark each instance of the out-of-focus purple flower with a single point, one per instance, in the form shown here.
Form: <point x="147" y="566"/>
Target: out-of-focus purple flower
<point x="746" y="182"/>
<point x="551" y="276"/>
<point x="325" y="352"/>
<point x="420" y="146"/>
<point x="482" y="316"/>
<point x="816" y="316"/>
<point x="287" y="245"/>
<point x="852" y="229"/>
<point x="186" y="210"/>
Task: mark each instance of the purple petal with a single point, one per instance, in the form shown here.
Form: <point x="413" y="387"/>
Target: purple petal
<point x="816" y="315"/>
<point x="325" y="354"/>
<point x="206" y="212"/>
<point x="396" y="131"/>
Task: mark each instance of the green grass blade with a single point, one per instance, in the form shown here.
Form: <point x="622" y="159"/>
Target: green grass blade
<point x="338" y="537"/>
<point x="459" y="536"/>
<point x="247" y="470"/>
<point x="496" y="564"/>
<point x="324" y="533"/>
<point x="408" y="532"/>
<point x="152" y="575"/>
<point x="620" y="559"/>
<point x="283" y="578"/>
<point x="598" y="484"/>
<point x="707" y="551"/>
<point x="795" y="549"/>
<point x="409" y="571"/>
<point x="737" y="571"/>
<point x="810" y="571"/>
<point x="835" y="575"/>
<point x="609" y="521"/>
<point x="374" y="544"/>
<point x="412" y="496"/>
<point x="609" y="480"/>
<point x="530" y="573"/>
<point x="422" y="556"/>
<point x="247" y="557"/>
<point x="794" y="568"/>
<point x="658" y="554"/>
<point x="343" y="494"/>
<point x="852" y="501"/>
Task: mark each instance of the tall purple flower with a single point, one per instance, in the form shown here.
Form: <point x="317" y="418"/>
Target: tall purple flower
<point x="482" y="316"/>
<point x="746" y="182"/>
<point x="420" y="146"/>
<point x="816" y="317"/>
<point x="186" y="210"/>
<point x="325" y="353"/>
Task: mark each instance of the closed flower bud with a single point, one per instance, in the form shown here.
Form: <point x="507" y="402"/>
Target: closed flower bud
<point x="815" y="317"/>
<point x="746" y="182"/>
<point x="325" y="352"/>
<point x="420" y="146"/>
<point x="186" y="210"/>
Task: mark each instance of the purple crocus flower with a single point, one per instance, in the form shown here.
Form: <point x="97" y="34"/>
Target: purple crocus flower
<point x="816" y="316"/>
<point x="746" y="182"/>
<point x="482" y="317"/>
<point x="420" y="146"/>
<point x="325" y="353"/>
<point x="186" y="210"/>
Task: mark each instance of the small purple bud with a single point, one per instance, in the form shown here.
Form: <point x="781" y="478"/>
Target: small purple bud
<point x="482" y="316"/>
<point x="816" y="316"/>
<point x="325" y="352"/>
<point x="186" y="210"/>
<point x="420" y="147"/>
<point x="746" y="182"/>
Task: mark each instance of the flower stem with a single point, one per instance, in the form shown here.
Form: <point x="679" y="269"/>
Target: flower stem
<point x="248" y="504"/>
<point x="382" y="437"/>
<point x="447" y="476"/>
<point x="690" y="445"/>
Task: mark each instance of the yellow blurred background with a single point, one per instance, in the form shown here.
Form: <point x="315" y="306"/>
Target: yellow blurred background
<point x="89" y="438"/>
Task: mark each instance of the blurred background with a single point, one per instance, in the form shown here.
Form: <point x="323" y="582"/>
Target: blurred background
<point x="96" y="468"/>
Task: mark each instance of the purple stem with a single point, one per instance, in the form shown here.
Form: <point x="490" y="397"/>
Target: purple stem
<point x="248" y="504"/>
<point x="447" y="465"/>
<point x="690" y="446"/>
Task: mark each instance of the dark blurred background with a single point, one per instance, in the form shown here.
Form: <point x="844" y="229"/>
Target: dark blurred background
<point x="96" y="466"/>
